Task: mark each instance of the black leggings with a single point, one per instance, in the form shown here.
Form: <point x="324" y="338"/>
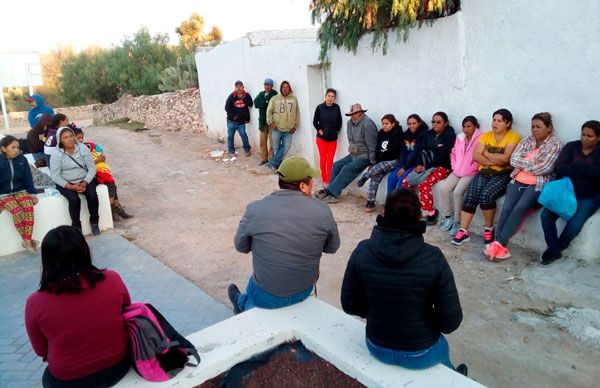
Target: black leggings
<point x="103" y="378"/>
<point x="75" y="203"/>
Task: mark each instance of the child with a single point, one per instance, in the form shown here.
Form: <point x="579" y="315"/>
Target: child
<point x="104" y="176"/>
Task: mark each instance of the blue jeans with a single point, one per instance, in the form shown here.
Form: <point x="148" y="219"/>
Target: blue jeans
<point x="241" y="128"/>
<point x="282" y="142"/>
<point x="394" y="181"/>
<point x="438" y="353"/>
<point x="519" y="200"/>
<point x="586" y="207"/>
<point x="257" y="297"/>
<point x="344" y="171"/>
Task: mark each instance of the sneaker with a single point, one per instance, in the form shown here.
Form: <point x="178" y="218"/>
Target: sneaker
<point x="547" y="257"/>
<point x="231" y="153"/>
<point x="488" y="236"/>
<point x="248" y="153"/>
<point x="330" y="199"/>
<point x="446" y="223"/>
<point x="95" y="229"/>
<point x="462" y="369"/>
<point x="361" y="182"/>
<point x="454" y="228"/>
<point x="370" y="206"/>
<point x="233" y="292"/>
<point x="320" y="194"/>
<point x="497" y="251"/>
<point x="432" y="220"/>
<point x="462" y="236"/>
<point x="262" y="162"/>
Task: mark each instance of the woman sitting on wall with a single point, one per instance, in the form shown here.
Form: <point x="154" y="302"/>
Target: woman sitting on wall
<point x="73" y="170"/>
<point x="533" y="162"/>
<point x="36" y="137"/>
<point x="464" y="168"/>
<point x="493" y="153"/>
<point x="580" y="161"/>
<point x="405" y="289"/>
<point x="390" y="140"/>
<point x="433" y="155"/>
<point x="413" y="136"/>
<point x="17" y="193"/>
<point x="74" y="321"/>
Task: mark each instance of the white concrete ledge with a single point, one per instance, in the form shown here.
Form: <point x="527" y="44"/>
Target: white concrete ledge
<point x="325" y="330"/>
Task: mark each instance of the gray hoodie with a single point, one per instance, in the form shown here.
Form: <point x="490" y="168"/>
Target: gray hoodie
<point x="65" y="169"/>
<point x="362" y="139"/>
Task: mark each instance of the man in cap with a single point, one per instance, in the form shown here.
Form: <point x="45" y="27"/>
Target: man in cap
<point x="362" y="139"/>
<point x="38" y="108"/>
<point x="238" y="115"/>
<point x="287" y="233"/>
<point x="261" y="102"/>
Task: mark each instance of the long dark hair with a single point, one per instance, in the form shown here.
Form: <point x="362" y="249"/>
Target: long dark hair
<point x="56" y="119"/>
<point x="6" y="141"/>
<point x="66" y="261"/>
<point x="507" y="117"/>
<point x="594" y="125"/>
<point x="402" y="205"/>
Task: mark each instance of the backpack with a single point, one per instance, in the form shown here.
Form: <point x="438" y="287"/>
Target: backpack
<point x="158" y="351"/>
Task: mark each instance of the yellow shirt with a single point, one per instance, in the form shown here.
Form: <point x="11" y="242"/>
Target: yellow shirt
<point x="489" y="141"/>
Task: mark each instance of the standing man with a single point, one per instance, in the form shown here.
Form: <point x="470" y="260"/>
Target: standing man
<point x="287" y="233"/>
<point x="38" y="108"/>
<point x="238" y="115"/>
<point x="362" y="139"/>
<point x="283" y="117"/>
<point x="261" y="102"/>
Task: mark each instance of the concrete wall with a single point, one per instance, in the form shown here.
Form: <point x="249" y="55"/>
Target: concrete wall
<point x="490" y="55"/>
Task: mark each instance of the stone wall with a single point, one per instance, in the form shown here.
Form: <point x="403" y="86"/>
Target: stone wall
<point x="175" y="111"/>
<point x="74" y="113"/>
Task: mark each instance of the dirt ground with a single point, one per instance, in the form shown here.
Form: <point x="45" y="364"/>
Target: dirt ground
<point x="187" y="207"/>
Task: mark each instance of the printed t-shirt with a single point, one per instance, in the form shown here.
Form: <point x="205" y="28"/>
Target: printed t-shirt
<point x="489" y="141"/>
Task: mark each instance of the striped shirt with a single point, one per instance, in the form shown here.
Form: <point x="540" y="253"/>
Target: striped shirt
<point x="543" y="163"/>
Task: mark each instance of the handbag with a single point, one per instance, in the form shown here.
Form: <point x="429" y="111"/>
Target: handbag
<point x="416" y="178"/>
<point x="559" y="197"/>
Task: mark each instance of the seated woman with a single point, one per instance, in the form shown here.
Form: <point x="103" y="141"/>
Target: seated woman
<point x="73" y="170"/>
<point x="413" y="136"/>
<point x="390" y="141"/>
<point x="580" y="161"/>
<point x="405" y="289"/>
<point x="17" y="193"/>
<point x="74" y="321"/>
<point x="533" y="160"/>
<point x="437" y="146"/>
<point x="36" y="137"/>
<point x="59" y="120"/>
<point x="493" y="153"/>
<point x="104" y="175"/>
<point x="464" y="168"/>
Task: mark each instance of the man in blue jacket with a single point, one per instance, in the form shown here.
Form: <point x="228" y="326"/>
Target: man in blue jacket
<point x="37" y="109"/>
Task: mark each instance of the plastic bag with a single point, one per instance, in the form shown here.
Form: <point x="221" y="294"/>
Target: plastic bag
<point x="559" y="197"/>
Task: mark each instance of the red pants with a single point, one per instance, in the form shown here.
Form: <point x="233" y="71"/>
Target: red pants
<point x="326" y="155"/>
<point x="425" y="188"/>
<point x="20" y="206"/>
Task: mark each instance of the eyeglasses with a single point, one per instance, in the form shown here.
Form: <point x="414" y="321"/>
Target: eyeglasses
<point x="437" y="122"/>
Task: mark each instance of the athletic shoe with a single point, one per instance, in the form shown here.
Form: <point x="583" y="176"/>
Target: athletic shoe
<point x="488" y="236"/>
<point x="497" y="251"/>
<point x="95" y="229"/>
<point x="462" y="236"/>
<point x="330" y="199"/>
<point x="432" y="220"/>
<point x="370" y="206"/>
<point x="233" y="292"/>
<point x="361" y="182"/>
<point x="248" y="153"/>
<point x="447" y="223"/>
<point x="320" y="194"/>
<point x="547" y="257"/>
<point x="462" y="369"/>
<point x="454" y="228"/>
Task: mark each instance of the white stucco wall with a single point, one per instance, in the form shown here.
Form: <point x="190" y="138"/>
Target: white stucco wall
<point x="492" y="54"/>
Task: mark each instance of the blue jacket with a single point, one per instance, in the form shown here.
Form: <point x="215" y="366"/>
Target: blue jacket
<point x="15" y="175"/>
<point x="34" y="114"/>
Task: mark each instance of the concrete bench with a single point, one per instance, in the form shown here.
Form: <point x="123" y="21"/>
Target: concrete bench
<point x="50" y="212"/>
<point x="585" y="247"/>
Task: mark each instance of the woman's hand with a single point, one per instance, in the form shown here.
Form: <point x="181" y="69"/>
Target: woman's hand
<point x="419" y="168"/>
<point x="34" y="199"/>
<point x="321" y="132"/>
<point x="100" y="159"/>
<point x="400" y="172"/>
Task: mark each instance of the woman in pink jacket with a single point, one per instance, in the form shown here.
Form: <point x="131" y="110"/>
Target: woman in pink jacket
<point x="464" y="169"/>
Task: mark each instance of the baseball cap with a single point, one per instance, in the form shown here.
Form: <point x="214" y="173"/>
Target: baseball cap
<point x="268" y="81"/>
<point x="295" y="168"/>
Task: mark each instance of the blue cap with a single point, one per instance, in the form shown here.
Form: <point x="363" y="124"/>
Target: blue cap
<point x="268" y="81"/>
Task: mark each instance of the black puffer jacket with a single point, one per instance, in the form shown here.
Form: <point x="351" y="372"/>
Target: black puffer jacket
<point x="403" y="286"/>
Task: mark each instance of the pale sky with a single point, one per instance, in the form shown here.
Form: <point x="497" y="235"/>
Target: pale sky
<point x="34" y="25"/>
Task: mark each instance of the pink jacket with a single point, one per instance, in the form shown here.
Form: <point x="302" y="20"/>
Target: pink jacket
<point x="461" y="156"/>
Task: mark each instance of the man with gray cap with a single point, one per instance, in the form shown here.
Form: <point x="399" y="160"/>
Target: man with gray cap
<point x="287" y="233"/>
<point x="362" y="139"/>
<point x="261" y="102"/>
<point x="238" y="115"/>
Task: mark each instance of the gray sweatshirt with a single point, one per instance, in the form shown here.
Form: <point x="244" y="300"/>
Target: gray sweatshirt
<point x="287" y="233"/>
<point x="362" y="138"/>
<point x="64" y="170"/>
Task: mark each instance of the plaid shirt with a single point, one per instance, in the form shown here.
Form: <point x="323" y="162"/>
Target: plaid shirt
<point x="543" y="163"/>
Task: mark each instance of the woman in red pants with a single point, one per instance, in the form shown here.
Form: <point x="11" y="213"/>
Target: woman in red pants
<point x="328" y="122"/>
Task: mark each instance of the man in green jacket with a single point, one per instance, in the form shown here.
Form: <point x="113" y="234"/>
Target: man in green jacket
<point x="283" y="117"/>
<point x="261" y="102"/>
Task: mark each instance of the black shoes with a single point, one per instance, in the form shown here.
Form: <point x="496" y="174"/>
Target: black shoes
<point x="370" y="206"/>
<point x="233" y="292"/>
<point x="95" y="230"/>
<point x="361" y="182"/>
<point x="432" y="220"/>
<point x="462" y="369"/>
<point x="547" y="257"/>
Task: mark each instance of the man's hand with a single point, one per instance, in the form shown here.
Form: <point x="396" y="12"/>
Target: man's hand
<point x="272" y="126"/>
<point x="292" y="130"/>
<point x="400" y="172"/>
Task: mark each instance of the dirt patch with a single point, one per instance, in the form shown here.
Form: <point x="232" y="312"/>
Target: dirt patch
<point x="187" y="207"/>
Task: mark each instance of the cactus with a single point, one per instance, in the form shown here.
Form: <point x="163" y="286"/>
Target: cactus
<point x="181" y="76"/>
